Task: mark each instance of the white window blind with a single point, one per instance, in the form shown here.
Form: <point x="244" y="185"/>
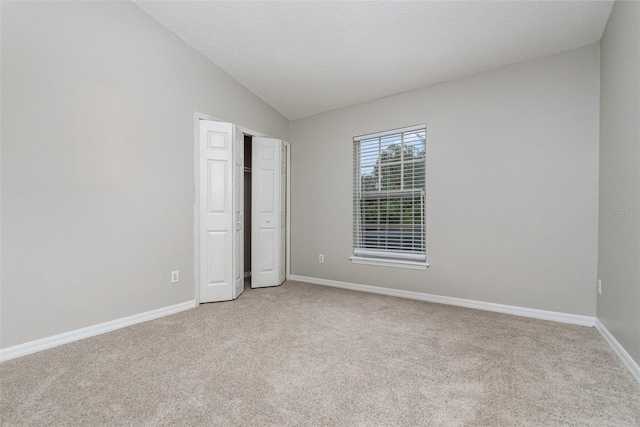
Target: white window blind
<point x="389" y="194"/>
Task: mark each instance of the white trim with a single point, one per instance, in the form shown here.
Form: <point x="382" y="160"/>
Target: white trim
<point x="390" y="132"/>
<point x="90" y="331"/>
<point x="387" y="254"/>
<point x="412" y="265"/>
<point x="573" y="319"/>
<point x="627" y="360"/>
<point x="288" y="229"/>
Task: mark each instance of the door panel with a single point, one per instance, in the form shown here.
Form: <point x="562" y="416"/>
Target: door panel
<point x="217" y="181"/>
<point x="238" y="202"/>
<point x="216" y="261"/>
<point x="266" y="254"/>
<point x="216" y="215"/>
<point x="267" y="191"/>
<point x="267" y="247"/>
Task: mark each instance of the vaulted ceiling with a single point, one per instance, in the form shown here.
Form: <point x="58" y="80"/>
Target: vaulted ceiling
<point x="305" y="58"/>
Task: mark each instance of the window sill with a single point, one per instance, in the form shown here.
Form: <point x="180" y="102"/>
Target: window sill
<point x="412" y="265"/>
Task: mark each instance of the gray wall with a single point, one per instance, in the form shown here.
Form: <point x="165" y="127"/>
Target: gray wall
<point x="512" y="185"/>
<point x="97" y="162"/>
<point x="619" y="230"/>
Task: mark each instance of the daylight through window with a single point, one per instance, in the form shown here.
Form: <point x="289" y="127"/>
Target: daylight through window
<point x="389" y="195"/>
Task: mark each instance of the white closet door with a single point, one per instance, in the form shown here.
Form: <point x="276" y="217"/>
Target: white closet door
<point x="238" y="208"/>
<point x="216" y="211"/>
<point x="267" y="243"/>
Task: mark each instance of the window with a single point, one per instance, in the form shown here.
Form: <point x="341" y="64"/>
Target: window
<point x="389" y="197"/>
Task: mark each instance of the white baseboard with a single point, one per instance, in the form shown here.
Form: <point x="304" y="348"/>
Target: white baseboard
<point x="90" y="331"/>
<point x="555" y="316"/>
<point x="631" y="365"/>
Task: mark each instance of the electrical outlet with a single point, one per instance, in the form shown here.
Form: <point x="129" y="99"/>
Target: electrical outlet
<point x="599" y="287"/>
<point x="321" y="258"/>
<point x="175" y="276"/>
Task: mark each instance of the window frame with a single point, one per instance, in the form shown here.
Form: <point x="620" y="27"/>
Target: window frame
<point x="392" y="258"/>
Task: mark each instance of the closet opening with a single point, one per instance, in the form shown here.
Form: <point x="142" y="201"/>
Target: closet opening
<point x="248" y="141"/>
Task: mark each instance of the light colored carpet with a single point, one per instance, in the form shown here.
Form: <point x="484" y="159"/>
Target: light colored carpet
<point x="304" y="354"/>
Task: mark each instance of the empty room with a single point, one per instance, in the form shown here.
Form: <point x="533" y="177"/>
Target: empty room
<point x="380" y="213"/>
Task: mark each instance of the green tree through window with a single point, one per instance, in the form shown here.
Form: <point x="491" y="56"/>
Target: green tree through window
<point x="389" y="199"/>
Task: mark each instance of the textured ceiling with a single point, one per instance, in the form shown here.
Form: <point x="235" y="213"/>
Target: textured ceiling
<point x="305" y="58"/>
